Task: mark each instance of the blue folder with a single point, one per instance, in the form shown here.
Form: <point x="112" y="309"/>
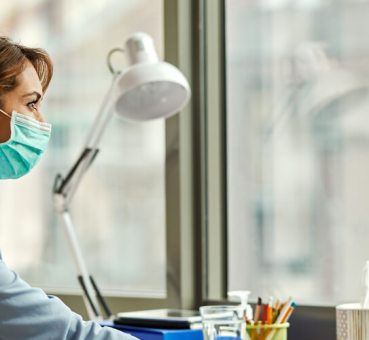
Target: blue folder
<point x="143" y="333"/>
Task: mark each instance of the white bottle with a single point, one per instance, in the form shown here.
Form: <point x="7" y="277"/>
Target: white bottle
<point x="243" y="295"/>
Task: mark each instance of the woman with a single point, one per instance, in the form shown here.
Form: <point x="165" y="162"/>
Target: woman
<point x="26" y="312"/>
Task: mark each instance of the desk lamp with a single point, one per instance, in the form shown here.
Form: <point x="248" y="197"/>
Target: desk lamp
<point x="147" y="89"/>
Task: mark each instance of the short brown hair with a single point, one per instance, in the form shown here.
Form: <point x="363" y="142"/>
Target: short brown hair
<point x="13" y="58"/>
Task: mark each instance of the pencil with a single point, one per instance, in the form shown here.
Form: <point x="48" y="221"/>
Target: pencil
<point x="270" y="311"/>
<point x="284" y="310"/>
<point x="257" y="310"/>
<point x="276" y="310"/>
<point x="289" y="312"/>
<point x="265" y="314"/>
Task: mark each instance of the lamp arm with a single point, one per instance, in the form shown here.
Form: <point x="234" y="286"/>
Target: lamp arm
<point x="103" y="117"/>
<point x="69" y="185"/>
<point x="88" y="293"/>
<point x="64" y="189"/>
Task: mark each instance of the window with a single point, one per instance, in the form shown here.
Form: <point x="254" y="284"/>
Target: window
<point x="119" y="209"/>
<point x="297" y="148"/>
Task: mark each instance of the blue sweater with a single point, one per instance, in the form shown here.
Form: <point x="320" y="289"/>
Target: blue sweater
<point x="28" y="313"/>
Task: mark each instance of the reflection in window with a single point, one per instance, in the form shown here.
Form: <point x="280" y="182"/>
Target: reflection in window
<point x="119" y="207"/>
<point x="298" y="148"/>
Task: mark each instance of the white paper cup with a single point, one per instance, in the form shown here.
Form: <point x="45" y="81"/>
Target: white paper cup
<point x="352" y="322"/>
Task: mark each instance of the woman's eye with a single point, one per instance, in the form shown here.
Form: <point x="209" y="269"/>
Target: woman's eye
<point x="32" y="106"/>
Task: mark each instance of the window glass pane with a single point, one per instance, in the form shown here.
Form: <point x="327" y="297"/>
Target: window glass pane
<point x="119" y="207"/>
<point x="298" y="148"/>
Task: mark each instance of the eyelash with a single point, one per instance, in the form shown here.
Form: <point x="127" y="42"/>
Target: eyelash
<point x="32" y="105"/>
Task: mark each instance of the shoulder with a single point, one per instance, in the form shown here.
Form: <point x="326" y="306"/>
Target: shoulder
<point x="7" y="276"/>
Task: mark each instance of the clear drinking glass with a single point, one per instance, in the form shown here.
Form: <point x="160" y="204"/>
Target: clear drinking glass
<point x="224" y="322"/>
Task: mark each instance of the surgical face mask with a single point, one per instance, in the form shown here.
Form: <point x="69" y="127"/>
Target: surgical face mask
<point x="23" y="150"/>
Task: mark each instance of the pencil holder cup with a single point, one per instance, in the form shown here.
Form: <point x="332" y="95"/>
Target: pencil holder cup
<point x="223" y="322"/>
<point x="267" y="332"/>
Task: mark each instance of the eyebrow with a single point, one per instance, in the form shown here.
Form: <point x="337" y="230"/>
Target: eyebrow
<point x="34" y="93"/>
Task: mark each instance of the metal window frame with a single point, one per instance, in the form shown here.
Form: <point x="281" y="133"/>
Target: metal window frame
<point x="195" y="163"/>
<point x="216" y="232"/>
<point x="180" y="189"/>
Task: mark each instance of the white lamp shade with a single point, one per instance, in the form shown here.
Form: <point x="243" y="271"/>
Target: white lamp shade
<point x="149" y="89"/>
<point x="152" y="90"/>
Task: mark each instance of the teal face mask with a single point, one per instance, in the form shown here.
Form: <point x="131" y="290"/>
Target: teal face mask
<point x="27" y="143"/>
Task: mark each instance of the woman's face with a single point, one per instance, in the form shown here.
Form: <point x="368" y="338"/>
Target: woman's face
<point x="25" y="99"/>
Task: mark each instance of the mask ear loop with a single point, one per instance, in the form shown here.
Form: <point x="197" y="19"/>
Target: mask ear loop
<point x="6" y="114"/>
